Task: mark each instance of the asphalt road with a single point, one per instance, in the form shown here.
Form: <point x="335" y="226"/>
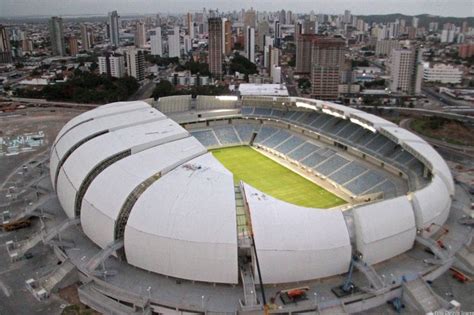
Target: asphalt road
<point x="144" y="91"/>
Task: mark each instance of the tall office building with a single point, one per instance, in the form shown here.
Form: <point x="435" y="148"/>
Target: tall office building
<point x="73" y="46"/>
<point x="250" y="44"/>
<point x="187" y="44"/>
<point x="86" y="38"/>
<point x="156" y="42"/>
<point x="227" y="37"/>
<point x="215" y="46"/>
<point x="406" y="71"/>
<point x="249" y="22"/>
<point x="5" y="48"/>
<point x="347" y="16"/>
<point x="140" y="35"/>
<point x="282" y="17"/>
<point x="263" y="30"/>
<point x="136" y="63"/>
<point x="112" y="65"/>
<point x="327" y="64"/>
<point x="113" y="28"/>
<point x="57" y="36"/>
<point x="190" y="25"/>
<point x="174" y="46"/>
<point x="304" y="44"/>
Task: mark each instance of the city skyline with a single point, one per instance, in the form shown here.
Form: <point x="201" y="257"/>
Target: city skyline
<point x="456" y="8"/>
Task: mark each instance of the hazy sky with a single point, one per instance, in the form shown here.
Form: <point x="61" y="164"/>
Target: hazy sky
<point x="10" y="8"/>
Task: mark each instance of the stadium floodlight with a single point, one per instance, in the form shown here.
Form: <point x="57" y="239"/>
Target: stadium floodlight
<point x="363" y="124"/>
<point x="227" y="98"/>
<point x="306" y="105"/>
<point x="333" y="113"/>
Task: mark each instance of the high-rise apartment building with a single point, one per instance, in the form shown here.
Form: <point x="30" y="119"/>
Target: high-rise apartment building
<point x="73" y="46"/>
<point x="174" y="45"/>
<point x="263" y="30"/>
<point x="156" y="42"/>
<point x="327" y="58"/>
<point x="215" y="46"/>
<point x="304" y="44"/>
<point x="406" y="71"/>
<point x="140" y="35"/>
<point x="190" y="25"/>
<point x="113" y="28"/>
<point x="5" y="48"/>
<point x="112" y="65"/>
<point x="250" y="43"/>
<point x="86" y="38"/>
<point x="57" y="36"/>
<point x="136" y="63"/>
<point x="385" y="47"/>
<point x="227" y="37"/>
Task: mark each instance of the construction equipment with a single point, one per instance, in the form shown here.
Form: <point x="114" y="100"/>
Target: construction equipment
<point x="348" y="286"/>
<point x="293" y="295"/>
<point x="460" y="276"/>
<point x="444" y="232"/>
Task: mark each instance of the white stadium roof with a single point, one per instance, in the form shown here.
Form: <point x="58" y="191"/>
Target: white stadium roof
<point x="186" y="224"/>
<point x="99" y="214"/>
<point x="295" y="243"/>
<point x="183" y="222"/>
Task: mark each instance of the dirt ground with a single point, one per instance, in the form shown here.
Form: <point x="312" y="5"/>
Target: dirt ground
<point x="450" y="131"/>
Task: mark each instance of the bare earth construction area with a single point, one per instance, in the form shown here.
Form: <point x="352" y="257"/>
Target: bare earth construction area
<point x="274" y="179"/>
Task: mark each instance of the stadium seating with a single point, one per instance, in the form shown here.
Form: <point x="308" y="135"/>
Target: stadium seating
<point x="226" y="135"/>
<point x="303" y="151"/>
<point x="348" y="172"/>
<point x="264" y="133"/>
<point x="245" y="132"/>
<point x="289" y="144"/>
<point x="331" y="165"/>
<point x="206" y="137"/>
<point x="364" y="182"/>
<point x="276" y="139"/>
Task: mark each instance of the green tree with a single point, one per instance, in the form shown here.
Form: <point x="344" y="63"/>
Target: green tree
<point x="163" y="88"/>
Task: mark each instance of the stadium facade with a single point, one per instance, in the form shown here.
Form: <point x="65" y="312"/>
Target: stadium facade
<point x="158" y="211"/>
<point x="131" y="173"/>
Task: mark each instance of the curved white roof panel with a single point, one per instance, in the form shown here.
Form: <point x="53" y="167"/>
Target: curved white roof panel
<point x="122" y="177"/>
<point x="431" y="205"/>
<point x="101" y="111"/>
<point x="385" y="229"/>
<point x="92" y="153"/>
<point x="109" y="123"/>
<point x="295" y="243"/>
<point x="184" y="225"/>
<point x="425" y="150"/>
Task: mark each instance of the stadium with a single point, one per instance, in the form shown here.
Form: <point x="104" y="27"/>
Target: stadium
<point x="241" y="199"/>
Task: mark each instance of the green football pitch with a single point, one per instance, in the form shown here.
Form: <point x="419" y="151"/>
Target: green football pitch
<point x="274" y="179"/>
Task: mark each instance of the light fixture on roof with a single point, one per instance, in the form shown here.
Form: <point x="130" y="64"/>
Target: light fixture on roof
<point x="363" y="124"/>
<point x="306" y="105"/>
<point x="227" y="98"/>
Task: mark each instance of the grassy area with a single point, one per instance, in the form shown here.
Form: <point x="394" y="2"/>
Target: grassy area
<point x="274" y="179"/>
<point x="451" y="131"/>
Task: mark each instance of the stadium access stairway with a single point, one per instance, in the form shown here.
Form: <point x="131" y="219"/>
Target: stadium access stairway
<point x="419" y="294"/>
<point x="89" y="295"/>
<point x="58" y="275"/>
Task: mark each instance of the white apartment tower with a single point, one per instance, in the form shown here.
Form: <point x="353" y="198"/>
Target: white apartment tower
<point x="406" y="71"/>
<point x="136" y="63"/>
<point x="156" y="42"/>
<point x="174" y="46"/>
